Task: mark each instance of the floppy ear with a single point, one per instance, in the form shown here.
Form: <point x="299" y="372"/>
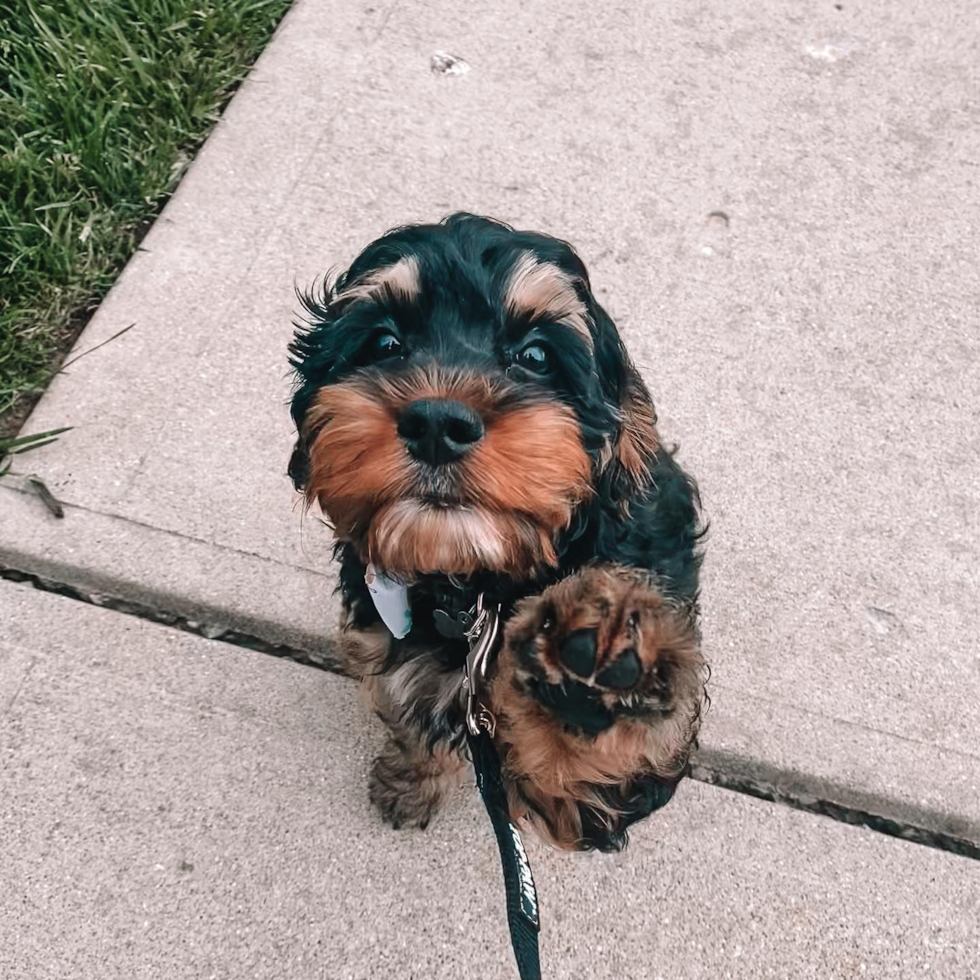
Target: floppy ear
<point x="299" y="464"/>
<point x="638" y="438"/>
<point x="626" y="461"/>
<point x="309" y="357"/>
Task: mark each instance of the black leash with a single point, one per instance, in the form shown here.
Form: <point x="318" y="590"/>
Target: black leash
<point x="522" y="897"/>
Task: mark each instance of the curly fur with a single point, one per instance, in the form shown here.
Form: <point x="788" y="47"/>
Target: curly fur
<point x="567" y="510"/>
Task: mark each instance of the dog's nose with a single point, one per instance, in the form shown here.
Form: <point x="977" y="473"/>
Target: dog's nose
<point x="439" y="431"/>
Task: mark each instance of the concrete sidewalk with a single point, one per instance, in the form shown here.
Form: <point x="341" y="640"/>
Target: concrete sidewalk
<point x="174" y="807"/>
<point x="778" y="205"/>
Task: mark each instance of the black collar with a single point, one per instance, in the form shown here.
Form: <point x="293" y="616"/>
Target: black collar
<point x="445" y="604"/>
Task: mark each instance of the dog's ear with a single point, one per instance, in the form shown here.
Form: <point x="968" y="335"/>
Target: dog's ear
<point x="628" y="457"/>
<point x="638" y="439"/>
<point x="299" y="464"/>
<point x="310" y="356"/>
<point x="299" y="461"/>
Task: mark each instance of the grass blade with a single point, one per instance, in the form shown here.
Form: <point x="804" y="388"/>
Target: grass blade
<point x="23" y="443"/>
<point x="33" y="445"/>
<point x="108" y="340"/>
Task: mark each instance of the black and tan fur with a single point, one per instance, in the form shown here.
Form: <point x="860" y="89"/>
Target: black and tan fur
<point x="469" y="420"/>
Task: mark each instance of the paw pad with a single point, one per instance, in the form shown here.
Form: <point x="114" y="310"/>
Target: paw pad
<point x="578" y="652"/>
<point x="622" y="673"/>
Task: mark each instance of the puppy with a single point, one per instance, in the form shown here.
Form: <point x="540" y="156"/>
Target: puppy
<point x="469" y="421"/>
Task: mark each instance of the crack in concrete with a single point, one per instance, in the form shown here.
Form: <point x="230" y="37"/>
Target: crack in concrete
<point x="8" y="708"/>
<point x="141" y="610"/>
<point x="715" y="769"/>
<point x="770" y="789"/>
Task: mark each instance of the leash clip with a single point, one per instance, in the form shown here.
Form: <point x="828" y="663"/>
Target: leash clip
<point x="483" y="637"/>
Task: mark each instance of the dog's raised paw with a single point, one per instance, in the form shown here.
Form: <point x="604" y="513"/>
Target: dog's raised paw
<point x="601" y="644"/>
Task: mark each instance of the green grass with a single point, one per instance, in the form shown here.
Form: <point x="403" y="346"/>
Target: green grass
<point x="11" y="447"/>
<point x="102" y="103"/>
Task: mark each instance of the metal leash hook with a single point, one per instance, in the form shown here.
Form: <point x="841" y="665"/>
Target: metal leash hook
<point x="483" y="637"/>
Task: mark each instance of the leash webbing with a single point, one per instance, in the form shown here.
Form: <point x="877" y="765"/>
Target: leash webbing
<point x="522" y="897"/>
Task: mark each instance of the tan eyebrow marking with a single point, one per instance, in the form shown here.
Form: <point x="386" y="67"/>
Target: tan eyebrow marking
<point x="401" y="279"/>
<point x="540" y="289"/>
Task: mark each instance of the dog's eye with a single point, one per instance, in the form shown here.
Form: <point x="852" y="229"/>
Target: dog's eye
<point x="534" y="358"/>
<point x="384" y="345"/>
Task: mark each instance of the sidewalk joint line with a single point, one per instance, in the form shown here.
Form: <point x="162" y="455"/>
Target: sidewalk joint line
<point x="703" y="770"/>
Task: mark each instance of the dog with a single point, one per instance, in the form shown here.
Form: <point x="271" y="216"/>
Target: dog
<point x="469" y="421"/>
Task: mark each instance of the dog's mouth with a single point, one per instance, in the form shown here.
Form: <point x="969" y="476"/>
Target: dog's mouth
<point x="437" y="534"/>
<point x="441" y="503"/>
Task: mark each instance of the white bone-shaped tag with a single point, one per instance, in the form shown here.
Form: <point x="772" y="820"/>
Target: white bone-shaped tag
<point x="391" y="600"/>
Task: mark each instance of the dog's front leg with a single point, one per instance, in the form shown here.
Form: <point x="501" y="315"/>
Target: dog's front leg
<point x="412" y="778"/>
<point x="416" y="771"/>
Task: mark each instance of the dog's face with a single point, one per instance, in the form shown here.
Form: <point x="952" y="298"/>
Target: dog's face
<point x="461" y="395"/>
